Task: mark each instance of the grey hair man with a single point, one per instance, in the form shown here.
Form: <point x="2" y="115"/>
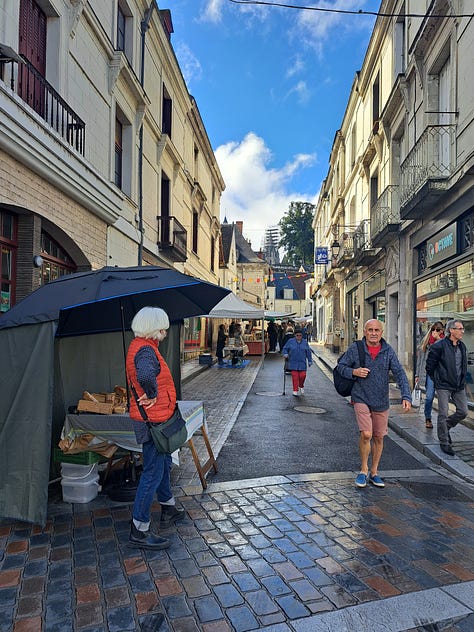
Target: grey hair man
<point x="447" y="367"/>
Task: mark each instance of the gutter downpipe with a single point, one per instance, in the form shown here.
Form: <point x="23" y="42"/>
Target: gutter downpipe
<point x="144" y="26"/>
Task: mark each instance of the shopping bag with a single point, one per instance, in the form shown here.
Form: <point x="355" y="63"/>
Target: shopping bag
<point x="416" y="397"/>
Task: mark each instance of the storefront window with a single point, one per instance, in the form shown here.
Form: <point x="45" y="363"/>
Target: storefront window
<point x="446" y="295"/>
<point x="56" y="261"/>
<point x="8" y="246"/>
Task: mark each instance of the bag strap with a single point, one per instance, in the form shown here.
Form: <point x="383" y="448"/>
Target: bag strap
<point x="140" y="407"/>
<point x="361" y="350"/>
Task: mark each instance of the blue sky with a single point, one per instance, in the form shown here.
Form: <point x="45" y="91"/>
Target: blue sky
<point x="272" y="85"/>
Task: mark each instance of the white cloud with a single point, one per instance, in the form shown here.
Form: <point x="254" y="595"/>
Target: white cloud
<point x="213" y="11"/>
<point x="315" y="28"/>
<point x="301" y="90"/>
<point x="189" y="63"/>
<point x="297" y="66"/>
<point x="256" y="193"/>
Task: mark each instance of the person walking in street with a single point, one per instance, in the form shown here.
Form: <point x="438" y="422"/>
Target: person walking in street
<point x="370" y="396"/>
<point x="221" y="340"/>
<point x="153" y="399"/>
<point x="435" y="333"/>
<point x="297" y="352"/>
<point x="272" y="336"/>
<point x="447" y="367"/>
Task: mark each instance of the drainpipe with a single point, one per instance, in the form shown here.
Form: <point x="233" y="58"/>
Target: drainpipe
<point x="144" y="26"/>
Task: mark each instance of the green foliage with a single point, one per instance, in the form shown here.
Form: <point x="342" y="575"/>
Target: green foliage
<point x="297" y="234"/>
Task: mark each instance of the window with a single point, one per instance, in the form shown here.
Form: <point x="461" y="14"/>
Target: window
<point x="8" y="248"/>
<point x="195" y="230"/>
<point x="375" y="104"/>
<point x="121" y="25"/>
<point x="213" y="247"/>
<point x="118" y="153"/>
<point x="374" y="189"/>
<point x="56" y="261"/>
<point x="399" y="46"/>
<point x="196" y="163"/>
<point x="167" y="113"/>
<point x="32" y="45"/>
<point x="124" y="30"/>
<point x="353" y="145"/>
<point x="164" y="222"/>
<point x="123" y="153"/>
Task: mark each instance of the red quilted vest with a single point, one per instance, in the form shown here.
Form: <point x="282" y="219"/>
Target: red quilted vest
<point x="166" y="402"/>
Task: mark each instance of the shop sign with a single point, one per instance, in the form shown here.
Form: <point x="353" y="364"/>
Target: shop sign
<point x="442" y="246"/>
<point x="321" y="255"/>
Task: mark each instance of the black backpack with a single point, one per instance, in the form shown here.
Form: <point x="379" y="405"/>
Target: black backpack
<point x="343" y="385"/>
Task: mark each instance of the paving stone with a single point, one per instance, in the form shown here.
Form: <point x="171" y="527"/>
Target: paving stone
<point x="293" y="608"/>
<point x="261" y="603"/>
<point x="205" y="558"/>
<point x="176" y="606"/>
<point x="118" y="596"/>
<point x="215" y="575"/>
<point x="271" y="621"/>
<point x="112" y="577"/>
<point x="245" y="581"/>
<point x="216" y="626"/>
<point x="305" y="590"/>
<point x="338" y="596"/>
<point x="29" y="606"/>
<point x="121" y="619"/>
<point x="275" y="585"/>
<point x="195" y="587"/>
<point x="227" y="595"/>
<point x="207" y="609"/>
<point x="273" y="556"/>
<point x="221" y="550"/>
<point x="242" y="619"/>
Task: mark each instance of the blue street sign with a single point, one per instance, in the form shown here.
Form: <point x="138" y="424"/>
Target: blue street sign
<point x="321" y="255"/>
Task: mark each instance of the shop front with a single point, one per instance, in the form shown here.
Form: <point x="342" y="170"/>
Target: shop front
<point x="444" y="288"/>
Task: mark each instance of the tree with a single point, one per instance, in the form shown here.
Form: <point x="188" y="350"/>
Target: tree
<point x="297" y="234"/>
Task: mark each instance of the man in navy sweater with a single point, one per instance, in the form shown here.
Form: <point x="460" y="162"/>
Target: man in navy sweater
<point x="370" y="396"/>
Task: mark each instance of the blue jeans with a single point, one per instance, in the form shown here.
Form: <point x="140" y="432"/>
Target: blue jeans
<point x="155" y="479"/>
<point x="429" y="396"/>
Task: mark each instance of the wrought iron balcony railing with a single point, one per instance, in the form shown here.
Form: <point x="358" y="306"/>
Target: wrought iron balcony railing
<point x="364" y="251"/>
<point x="385" y="216"/>
<point x="172" y="238"/>
<point x="428" y="165"/>
<point x="34" y="90"/>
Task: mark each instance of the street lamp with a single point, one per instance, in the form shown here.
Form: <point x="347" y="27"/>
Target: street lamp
<point x="335" y="249"/>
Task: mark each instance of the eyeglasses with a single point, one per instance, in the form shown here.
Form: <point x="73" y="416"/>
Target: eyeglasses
<point x="458" y="328"/>
<point x="438" y="330"/>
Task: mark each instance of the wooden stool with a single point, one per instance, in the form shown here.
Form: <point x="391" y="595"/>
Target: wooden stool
<point x="202" y="470"/>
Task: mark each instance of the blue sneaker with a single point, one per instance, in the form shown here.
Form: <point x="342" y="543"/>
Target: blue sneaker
<point x="361" y="480"/>
<point x="376" y="480"/>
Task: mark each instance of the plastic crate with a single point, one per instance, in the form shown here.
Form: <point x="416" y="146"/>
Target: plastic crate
<point x="82" y="458"/>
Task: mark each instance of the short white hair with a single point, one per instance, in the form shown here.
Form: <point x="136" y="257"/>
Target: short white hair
<point x="149" y="321"/>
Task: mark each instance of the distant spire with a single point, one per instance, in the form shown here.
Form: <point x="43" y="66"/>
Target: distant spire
<point x="225" y="220"/>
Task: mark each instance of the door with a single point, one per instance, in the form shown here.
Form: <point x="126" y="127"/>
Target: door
<point x="32" y="45"/>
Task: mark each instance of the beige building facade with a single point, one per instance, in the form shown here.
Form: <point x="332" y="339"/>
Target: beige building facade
<point x="104" y="157"/>
<point x="396" y="210"/>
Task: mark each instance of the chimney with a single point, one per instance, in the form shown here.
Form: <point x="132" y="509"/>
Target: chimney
<point x="240" y="226"/>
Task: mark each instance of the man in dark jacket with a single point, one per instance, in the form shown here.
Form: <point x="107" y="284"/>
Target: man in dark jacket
<point x="370" y="396"/>
<point x="447" y="367"/>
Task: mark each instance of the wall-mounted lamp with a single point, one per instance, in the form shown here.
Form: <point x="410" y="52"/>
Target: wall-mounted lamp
<point x="335" y="249"/>
<point x="38" y="261"/>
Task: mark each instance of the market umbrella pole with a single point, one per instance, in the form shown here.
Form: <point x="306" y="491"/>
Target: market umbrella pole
<point x="284" y="376"/>
<point x="124" y="354"/>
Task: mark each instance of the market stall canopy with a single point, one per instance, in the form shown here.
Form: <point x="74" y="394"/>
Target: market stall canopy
<point x="106" y="300"/>
<point x="231" y="306"/>
<point x="269" y="315"/>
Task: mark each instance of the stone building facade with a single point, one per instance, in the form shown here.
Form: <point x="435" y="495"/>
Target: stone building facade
<point x="104" y="157"/>
<point x="396" y="210"/>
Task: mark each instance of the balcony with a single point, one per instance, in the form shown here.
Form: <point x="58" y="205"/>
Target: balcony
<point x="36" y="92"/>
<point x="364" y="251"/>
<point x="346" y="254"/>
<point x="172" y="238"/>
<point x="425" y="172"/>
<point x="385" y="216"/>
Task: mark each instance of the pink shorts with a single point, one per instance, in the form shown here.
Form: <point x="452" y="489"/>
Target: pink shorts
<point x="371" y="421"/>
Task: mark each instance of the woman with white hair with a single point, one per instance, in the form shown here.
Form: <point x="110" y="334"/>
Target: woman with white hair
<point x="152" y="399"/>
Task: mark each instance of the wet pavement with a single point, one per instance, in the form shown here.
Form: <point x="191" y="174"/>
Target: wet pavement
<point x="299" y="552"/>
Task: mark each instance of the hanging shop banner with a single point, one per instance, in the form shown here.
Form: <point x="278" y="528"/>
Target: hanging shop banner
<point x="321" y="256"/>
<point x="441" y="246"/>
